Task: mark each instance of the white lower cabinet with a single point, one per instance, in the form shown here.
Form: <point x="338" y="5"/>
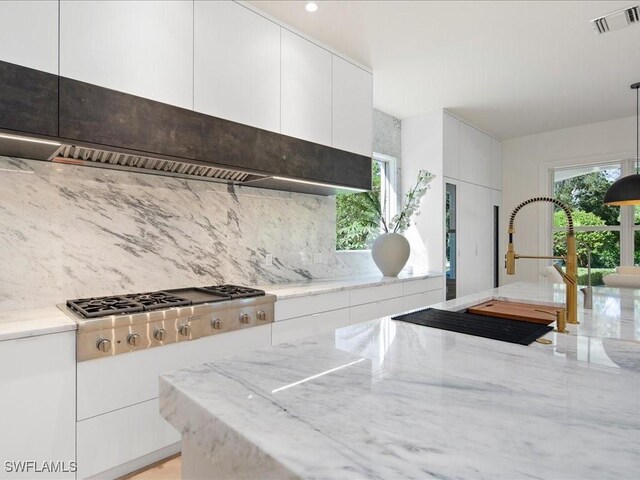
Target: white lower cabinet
<point x="118" y="419"/>
<point x="315" y="324"/>
<point x="302" y="317"/>
<point x="376" y="293"/>
<point x="381" y="308"/>
<point x="112" y="440"/>
<point x="37" y="401"/>
<point x="422" y="300"/>
<point x="309" y="305"/>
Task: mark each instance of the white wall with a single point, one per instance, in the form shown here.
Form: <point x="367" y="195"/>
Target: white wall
<point x="525" y="160"/>
<point x="422" y="149"/>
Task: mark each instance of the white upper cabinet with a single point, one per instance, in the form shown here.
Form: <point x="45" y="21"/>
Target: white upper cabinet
<point x="29" y="34"/>
<point x="137" y="47"/>
<point x="475" y="156"/>
<point x="352" y="108"/>
<point x="306" y="89"/>
<point x="236" y="64"/>
<point x="496" y="164"/>
<point x="451" y="146"/>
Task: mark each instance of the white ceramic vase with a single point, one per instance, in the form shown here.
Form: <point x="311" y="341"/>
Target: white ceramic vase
<point x="390" y="252"/>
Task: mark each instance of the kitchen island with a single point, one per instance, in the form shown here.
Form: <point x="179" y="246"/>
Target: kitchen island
<point x="387" y="399"/>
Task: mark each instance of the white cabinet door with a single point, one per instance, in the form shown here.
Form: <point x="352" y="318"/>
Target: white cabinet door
<point x="476" y="247"/>
<point x="308" y="305"/>
<point x="236" y="64"/>
<point x="422" y="300"/>
<point x="381" y="308"/>
<point x="496" y="164"/>
<point x="451" y="146"/>
<point x="29" y="34"/>
<point x="316" y="324"/>
<point x="484" y="239"/>
<point x="111" y="440"/>
<point x="38" y="401"/>
<point x="137" y="47"/>
<point x="475" y="156"/>
<point x="306" y="89"/>
<point x="133" y="377"/>
<point x="466" y="239"/>
<point x="376" y="293"/>
<point x="352" y="112"/>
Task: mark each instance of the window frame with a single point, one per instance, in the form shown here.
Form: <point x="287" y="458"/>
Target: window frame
<point x="626" y="228"/>
<point x="388" y="189"/>
<point x="388" y="184"/>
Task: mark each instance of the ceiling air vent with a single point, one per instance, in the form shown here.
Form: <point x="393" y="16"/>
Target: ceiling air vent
<point x="616" y="20"/>
<point x="77" y="155"/>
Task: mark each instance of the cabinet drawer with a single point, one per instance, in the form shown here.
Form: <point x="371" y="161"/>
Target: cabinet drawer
<point x="424" y="285"/>
<point x="107" y="441"/>
<point x="370" y="311"/>
<point x="296" y="328"/>
<point x="106" y="384"/>
<point x="303" y="306"/>
<point x="422" y="300"/>
<point x="375" y="294"/>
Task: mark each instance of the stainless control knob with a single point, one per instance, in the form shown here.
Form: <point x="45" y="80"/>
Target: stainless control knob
<point x="133" y="339"/>
<point x="160" y="334"/>
<point x="244" y="318"/>
<point x="184" y="330"/>
<point x="104" y="345"/>
<point x="216" y="323"/>
<point x="262" y="315"/>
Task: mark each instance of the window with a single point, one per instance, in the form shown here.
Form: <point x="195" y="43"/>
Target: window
<point x="356" y="223"/>
<point x="612" y="234"/>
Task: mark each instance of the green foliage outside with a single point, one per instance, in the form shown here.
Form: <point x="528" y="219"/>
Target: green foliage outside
<point x="584" y="195"/>
<point x="605" y="246"/>
<point x="356" y="223"/>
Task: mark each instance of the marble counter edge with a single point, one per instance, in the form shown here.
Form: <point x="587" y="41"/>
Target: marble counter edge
<point x="319" y="287"/>
<point x="34" y="322"/>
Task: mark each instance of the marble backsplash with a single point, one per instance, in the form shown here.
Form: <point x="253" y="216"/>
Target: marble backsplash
<point x="70" y="232"/>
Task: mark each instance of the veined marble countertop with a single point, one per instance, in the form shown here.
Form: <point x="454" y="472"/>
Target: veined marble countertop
<point x="32" y="322"/>
<point x="387" y="399"/>
<point x="315" y="287"/>
<point x="41" y="321"/>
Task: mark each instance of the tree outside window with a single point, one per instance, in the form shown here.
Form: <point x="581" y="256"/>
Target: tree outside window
<point x="599" y="228"/>
<point x="356" y="225"/>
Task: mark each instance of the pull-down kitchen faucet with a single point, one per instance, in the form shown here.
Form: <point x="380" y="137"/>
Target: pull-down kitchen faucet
<point x="570" y="277"/>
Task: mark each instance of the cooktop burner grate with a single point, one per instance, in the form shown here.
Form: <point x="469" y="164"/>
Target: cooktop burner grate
<point x="235" y="291"/>
<point x="148" y="301"/>
<point x="103" y="306"/>
<point x="155" y="300"/>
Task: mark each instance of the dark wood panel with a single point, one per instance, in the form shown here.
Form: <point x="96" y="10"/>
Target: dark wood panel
<point x="28" y="100"/>
<point x="97" y="115"/>
<point x="312" y="161"/>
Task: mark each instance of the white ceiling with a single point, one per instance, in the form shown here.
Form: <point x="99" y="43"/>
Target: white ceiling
<point x="510" y="68"/>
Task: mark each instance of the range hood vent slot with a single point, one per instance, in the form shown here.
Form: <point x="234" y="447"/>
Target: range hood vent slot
<point x="123" y="161"/>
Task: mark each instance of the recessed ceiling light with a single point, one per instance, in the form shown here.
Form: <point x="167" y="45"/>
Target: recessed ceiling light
<point x="311" y="7"/>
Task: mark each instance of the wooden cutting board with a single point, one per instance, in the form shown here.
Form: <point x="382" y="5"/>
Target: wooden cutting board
<point x="516" y="311"/>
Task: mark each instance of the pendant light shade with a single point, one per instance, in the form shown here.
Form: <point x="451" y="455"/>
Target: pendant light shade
<point x="626" y="190"/>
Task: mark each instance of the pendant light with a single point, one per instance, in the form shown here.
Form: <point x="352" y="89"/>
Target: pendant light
<point x="626" y="190"/>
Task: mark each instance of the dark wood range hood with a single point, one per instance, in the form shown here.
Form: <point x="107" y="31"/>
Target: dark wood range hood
<point x="47" y="117"/>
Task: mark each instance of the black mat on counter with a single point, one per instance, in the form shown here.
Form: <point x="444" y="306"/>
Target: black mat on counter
<point x="512" y="331"/>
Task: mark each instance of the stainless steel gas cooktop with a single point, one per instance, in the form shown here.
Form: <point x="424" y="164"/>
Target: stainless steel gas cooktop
<point x="126" y="323"/>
